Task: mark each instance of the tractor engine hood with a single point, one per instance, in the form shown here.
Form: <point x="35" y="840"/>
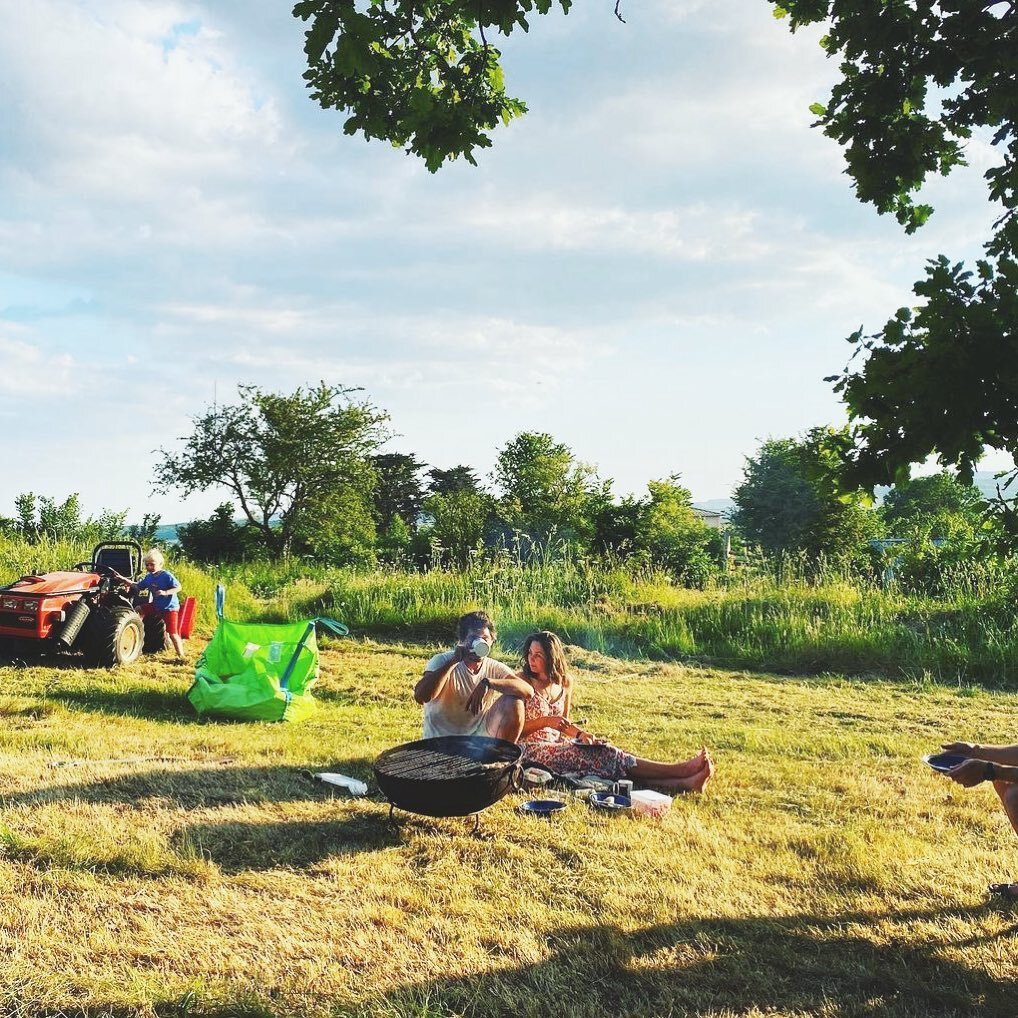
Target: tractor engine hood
<point x="49" y="584"/>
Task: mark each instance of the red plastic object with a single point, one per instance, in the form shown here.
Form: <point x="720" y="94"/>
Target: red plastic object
<point x="186" y="618"/>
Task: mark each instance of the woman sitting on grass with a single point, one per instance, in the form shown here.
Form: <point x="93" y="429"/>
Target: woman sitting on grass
<point x="550" y="739"/>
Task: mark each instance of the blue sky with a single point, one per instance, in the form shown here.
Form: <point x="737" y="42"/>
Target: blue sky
<point x="658" y="265"/>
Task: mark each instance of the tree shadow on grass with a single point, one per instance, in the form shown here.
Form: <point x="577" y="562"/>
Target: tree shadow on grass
<point x="201" y="787"/>
<point x="802" y="965"/>
<point x="697" y="968"/>
<point x="137" y="702"/>
<point x="241" y="847"/>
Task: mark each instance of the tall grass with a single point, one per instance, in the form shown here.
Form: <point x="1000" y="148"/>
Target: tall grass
<point x="792" y="622"/>
<point x="789" y="620"/>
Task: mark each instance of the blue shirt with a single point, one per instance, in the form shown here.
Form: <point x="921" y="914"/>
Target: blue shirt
<point x="162" y="580"/>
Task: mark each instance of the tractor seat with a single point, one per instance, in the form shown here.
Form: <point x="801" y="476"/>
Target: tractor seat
<point x="119" y="559"/>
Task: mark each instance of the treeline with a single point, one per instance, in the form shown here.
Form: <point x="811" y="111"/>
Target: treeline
<point x="307" y="478"/>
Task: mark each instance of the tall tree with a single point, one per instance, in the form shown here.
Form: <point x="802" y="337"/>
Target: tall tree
<point x="459" y="522"/>
<point x="399" y="492"/>
<point x="939" y="504"/>
<point x="458" y="478"/>
<point x="674" y="537"/>
<point x="298" y="464"/>
<point x="545" y="492"/>
<point x="790" y="499"/>
<point x="220" y="538"/>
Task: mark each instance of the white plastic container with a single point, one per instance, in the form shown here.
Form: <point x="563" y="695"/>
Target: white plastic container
<point x="649" y="802"/>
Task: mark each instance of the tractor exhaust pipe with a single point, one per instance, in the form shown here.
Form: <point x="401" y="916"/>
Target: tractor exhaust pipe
<point x="73" y="623"/>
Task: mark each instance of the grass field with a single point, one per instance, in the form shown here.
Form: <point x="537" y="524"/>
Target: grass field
<point x="158" y="865"/>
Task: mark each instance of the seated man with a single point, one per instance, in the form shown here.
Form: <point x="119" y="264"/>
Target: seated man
<point x="998" y="764"/>
<point x="464" y="693"/>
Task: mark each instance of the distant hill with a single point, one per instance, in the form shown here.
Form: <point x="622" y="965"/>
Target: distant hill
<point x="167" y="533"/>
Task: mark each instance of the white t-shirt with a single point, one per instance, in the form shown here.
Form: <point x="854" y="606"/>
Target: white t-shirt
<point x="446" y="713"/>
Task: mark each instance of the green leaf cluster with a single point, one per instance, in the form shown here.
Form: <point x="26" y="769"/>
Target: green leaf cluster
<point x="919" y="78"/>
<point x="421" y="75"/>
<point x="42" y="518"/>
<point x="793" y="500"/>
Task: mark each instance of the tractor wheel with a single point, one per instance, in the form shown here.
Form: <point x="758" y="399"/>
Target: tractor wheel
<point x="155" y="634"/>
<point x="112" y="636"/>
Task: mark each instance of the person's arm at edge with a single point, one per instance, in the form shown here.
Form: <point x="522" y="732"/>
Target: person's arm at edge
<point x="554" y="721"/>
<point x="1006" y="756"/>
<point x="511" y="683"/>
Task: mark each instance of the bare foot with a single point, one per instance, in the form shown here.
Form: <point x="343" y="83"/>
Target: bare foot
<point x="691" y="767"/>
<point x="694" y="783"/>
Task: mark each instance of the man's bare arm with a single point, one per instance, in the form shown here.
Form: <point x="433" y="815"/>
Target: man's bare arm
<point x="431" y="684"/>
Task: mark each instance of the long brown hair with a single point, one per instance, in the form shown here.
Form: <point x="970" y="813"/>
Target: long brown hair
<point x="554" y="652"/>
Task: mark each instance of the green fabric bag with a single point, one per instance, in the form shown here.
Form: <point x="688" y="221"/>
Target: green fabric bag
<point x="258" y="671"/>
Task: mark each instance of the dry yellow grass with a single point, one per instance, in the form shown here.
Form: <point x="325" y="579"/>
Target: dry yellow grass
<point x="155" y="864"/>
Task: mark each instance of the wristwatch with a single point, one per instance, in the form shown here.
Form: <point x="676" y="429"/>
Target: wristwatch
<point x="989" y="771"/>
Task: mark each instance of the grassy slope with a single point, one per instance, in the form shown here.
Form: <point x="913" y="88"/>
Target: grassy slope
<point x="156" y="864"/>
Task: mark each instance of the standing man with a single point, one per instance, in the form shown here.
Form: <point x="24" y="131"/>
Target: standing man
<point x="466" y="692"/>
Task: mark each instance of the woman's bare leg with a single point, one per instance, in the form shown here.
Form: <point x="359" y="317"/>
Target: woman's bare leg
<point x="687" y="775"/>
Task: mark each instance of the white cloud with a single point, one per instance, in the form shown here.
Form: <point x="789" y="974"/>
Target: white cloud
<point x="27" y="370"/>
<point x="695" y="233"/>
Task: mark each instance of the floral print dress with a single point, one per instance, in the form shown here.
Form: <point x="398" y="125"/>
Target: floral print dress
<point x="547" y="747"/>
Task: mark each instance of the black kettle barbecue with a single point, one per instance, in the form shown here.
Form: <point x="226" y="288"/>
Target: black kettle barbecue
<point x="452" y="776"/>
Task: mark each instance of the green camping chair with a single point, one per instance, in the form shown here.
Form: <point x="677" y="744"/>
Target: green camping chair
<point x="259" y="671"/>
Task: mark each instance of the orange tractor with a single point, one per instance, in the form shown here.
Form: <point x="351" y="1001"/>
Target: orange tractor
<point x="86" y="609"/>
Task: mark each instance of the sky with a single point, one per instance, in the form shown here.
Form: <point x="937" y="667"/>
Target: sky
<point x="658" y="265"/>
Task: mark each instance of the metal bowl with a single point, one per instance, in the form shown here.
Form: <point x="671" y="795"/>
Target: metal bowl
<point x="453" y="776"/>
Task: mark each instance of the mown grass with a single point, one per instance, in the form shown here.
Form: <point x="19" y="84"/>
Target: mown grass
<point x="158" y="865"/>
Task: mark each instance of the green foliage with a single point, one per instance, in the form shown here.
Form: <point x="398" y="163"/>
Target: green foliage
<point x="546" y="494"/>
<point x="794" y="615"/>
<point x="459" y="522"/>
<point x="791" y="499"/>
<point x="942" y="378"/>
<point x="917" y="81"/>
<point x="458" y="478"/>
<point x="938" y="505"/>
<point x="421" y="76"/>
<point x="219" y="538"/>
<point x="298" y="464"/>
<point x="395" y="543"/>
<point x="399" y="492"/>
<point x="674" y="537"/>
<point x="145" y="532"/>
<point x="41" y="518"/>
